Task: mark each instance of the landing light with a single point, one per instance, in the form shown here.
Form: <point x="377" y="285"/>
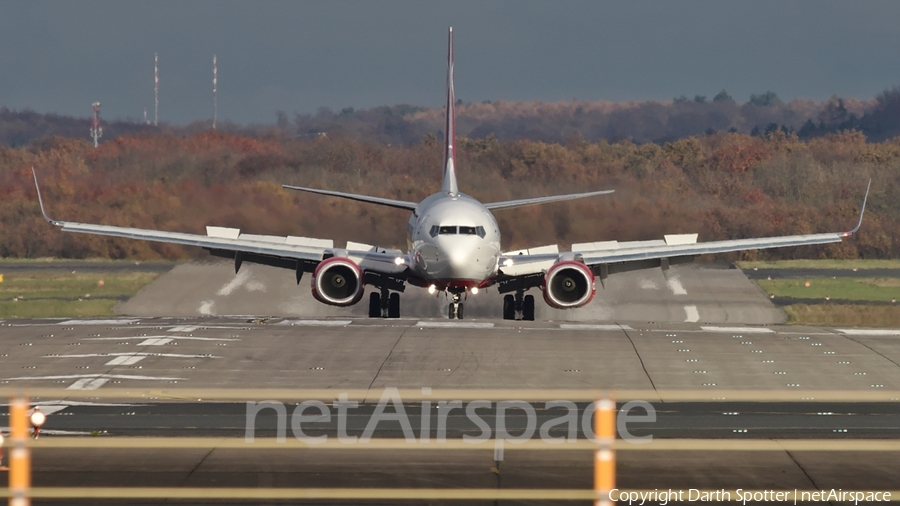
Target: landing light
<point x="474" y="290"/>
<point x="38" y="417"/>
<point x="399" y="260"/>
<point x="508" y="262"/>
<point x="432" y="289"/>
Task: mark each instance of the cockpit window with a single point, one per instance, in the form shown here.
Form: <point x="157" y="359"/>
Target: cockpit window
<point x="452" y="230"/>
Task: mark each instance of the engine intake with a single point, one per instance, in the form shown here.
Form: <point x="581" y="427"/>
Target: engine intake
<point x="568" y="285"/>
<point x="337" y="281"/>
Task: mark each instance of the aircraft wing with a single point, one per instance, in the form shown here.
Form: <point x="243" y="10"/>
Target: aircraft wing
<point x="399" y="204"/>
<point x="297" y="253"/>
<point x="509" y="204"/>
<point x="610" y="257"/>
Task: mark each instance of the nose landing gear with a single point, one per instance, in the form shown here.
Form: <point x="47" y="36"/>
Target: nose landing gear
<point x="456" y="307"/>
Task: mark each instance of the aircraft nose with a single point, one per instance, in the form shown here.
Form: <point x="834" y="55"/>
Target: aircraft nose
<point x="464" y="261"/>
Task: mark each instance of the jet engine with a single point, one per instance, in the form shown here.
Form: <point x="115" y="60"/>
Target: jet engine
<point x="337" y="281"/>
<point x="568" y="285"/>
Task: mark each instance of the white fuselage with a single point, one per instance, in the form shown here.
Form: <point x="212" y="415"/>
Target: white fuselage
<point x="454" y="241"/>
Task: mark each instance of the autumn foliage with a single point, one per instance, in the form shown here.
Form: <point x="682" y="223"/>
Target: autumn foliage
<point x="724" y="185"/>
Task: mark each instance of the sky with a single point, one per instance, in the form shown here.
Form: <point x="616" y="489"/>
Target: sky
<point x="297" y="56"/>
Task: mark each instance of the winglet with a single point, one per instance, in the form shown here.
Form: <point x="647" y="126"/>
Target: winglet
<point x="449" y="183"/>
<point x="861" y="211"/>
<point x="41" y="200"/>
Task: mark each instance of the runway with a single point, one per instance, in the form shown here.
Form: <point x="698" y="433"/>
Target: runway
<point x="688" y="293"/>
<point x="362" y="353"/>
<point x="355" y="353"/>
<point x="295" y="343"/>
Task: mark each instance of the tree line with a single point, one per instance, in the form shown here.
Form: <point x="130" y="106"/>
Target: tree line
<point x="723" y="185"/>
<point x="639" y="122"/>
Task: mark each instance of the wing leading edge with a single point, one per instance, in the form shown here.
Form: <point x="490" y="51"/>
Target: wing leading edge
<point x="300" y="253"/>
<point x="509" y="204"/>
<point x="610" y="257"/>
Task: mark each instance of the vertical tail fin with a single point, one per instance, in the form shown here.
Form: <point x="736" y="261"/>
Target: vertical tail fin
<point x="449" y="183"/>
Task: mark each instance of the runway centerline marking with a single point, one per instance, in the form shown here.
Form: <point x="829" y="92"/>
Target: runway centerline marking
<point x="869" y="332"/>
<point x="159" y="340"/>
<point x="156" y="341"/>
<point x="322" y="323"/>
<point x="183" y="328"/>
<point x="675" y="285"/>
<point x="455" y="325"/>
<point x="88" y="384"/>
<point x="588" y="326"/>
<point x="744" y="330"/>
<point x="119" y="321"/>
<point x="129" y="358"/>
<point x="92" y="381"/>
<point x="691" y="314"/>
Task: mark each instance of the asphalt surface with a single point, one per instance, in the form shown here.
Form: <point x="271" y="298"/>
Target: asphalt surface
<point x="720" y="420"/>
<point x="86" y="266"/>
<point x="617" y="342"/>
<point x="687" y="293"/>
<point x="163" y="354"/>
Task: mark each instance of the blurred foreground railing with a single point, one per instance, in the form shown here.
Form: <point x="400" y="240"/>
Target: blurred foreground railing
<point x="605" y="445"/>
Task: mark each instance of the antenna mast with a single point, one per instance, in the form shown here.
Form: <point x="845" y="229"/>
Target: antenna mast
<point x="215" y="99"/>
<point x="155" y="89"/>
<point x="96" y="129"/>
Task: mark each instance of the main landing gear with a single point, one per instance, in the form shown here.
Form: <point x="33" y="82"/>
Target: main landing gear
<point x="384" y="304"/>
<point x="456" y="307"/>
<point x="517" y="307"/>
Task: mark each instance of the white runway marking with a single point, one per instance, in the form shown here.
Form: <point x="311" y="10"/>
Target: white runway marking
<point x="691" y="313"/>
<point x="54" y="432"/>
<point x="88" y="384"/>
<point x="126" y="360"/>
<point x="676" y="286"/>
<point x="648" y="284"/>
<point x="587" y="326"/>
<point x="129" y="358"/>
<point x="91" y="381"/>
<point x="323" y="323"/>
<point x="234" y="284"/>
<point x="119" y="321"/>
<point x="456" y="325"/>
<point x="156" y="341"/>
<point x="740" y="330"/>
<point x="869" y="332"/>
<point x="183" y="328"/>
<point x="206" y="307"/>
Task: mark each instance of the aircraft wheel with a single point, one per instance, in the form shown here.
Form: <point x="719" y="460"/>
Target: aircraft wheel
<point x="374" y="305"/>
<point x="509" y="307"/>
<point x="459" y="311"/>
<point x="528" y="308"/>
<point x="394" y="306"/>
<point x="452" y="311"/>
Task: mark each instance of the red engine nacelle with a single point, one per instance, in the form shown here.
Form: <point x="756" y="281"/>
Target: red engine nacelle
<point x="337" y="281"/>
<point x="568" y="285"/>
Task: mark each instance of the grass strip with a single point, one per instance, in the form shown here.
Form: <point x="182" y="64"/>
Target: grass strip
<point x="820" y="264"/>
<point x="855" y="315"/>
<point x="36" y="294"/>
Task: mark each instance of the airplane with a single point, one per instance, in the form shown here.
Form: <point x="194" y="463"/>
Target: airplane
<point x="453" y="248"/>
